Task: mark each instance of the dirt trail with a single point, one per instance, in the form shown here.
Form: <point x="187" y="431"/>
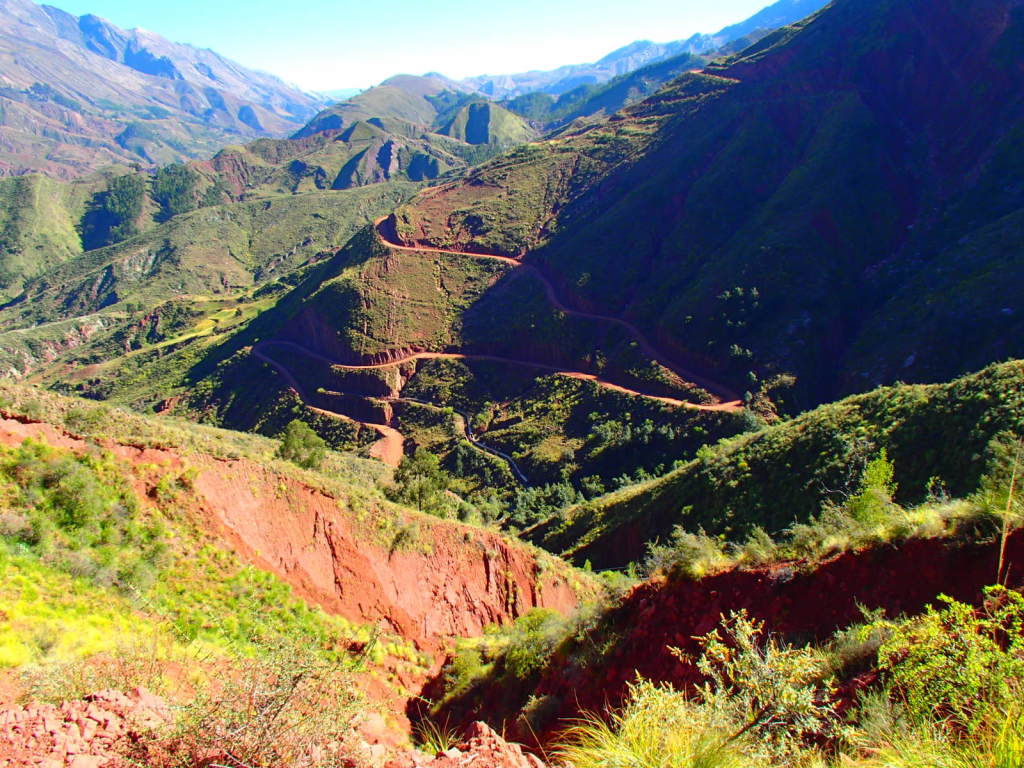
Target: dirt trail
<point x="388" y="449"/>
<point x="718" y="390"/>
<point x="733" y="406"/>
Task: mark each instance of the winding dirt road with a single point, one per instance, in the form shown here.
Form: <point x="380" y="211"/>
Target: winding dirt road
<point x="731" y="407"/>
<point x="723" y="393"/>
<point x="389" y="448"/>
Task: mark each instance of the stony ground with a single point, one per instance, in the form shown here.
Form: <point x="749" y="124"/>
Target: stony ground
<point x="100" y="730"/>
<point x="89" y="733"/>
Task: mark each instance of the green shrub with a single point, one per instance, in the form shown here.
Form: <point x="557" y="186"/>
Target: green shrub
<point x="79" y="514"/>
<point x="874" y="502"/>
<point x="532" y="639"/>
<point x="693" y="554"/>
<point x="957" y="665"/>
<point x="774" y="698"/>
<point x="657" y="728"/>
<point x="301" y="445"/>
<point x="421" y="483"/>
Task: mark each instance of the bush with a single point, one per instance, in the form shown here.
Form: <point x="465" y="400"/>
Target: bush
<point x="287" y="708"/>
<point x="79" y="514"/>
<point x="421" y="483"/>
<point x="658" y="728"/>
<point x="532" y="639"/>
<point x="874" y="503"/>
<point x="773" y="698"/>
<point x="956" y="665"/>
<point x="301" y="445"/>
<point x="693" y="554"/>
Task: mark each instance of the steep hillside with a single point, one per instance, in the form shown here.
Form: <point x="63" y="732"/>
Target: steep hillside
<point x="779" y="212"/>
<point x="935" y="435"/>
<point x="590" y="101"/>
<point x="79" y="94"/>
<point x="327" y="542"/>
<point x="45" y="223"/>
<point x="39" y="221"/>
<point x="169" y="295"/>
<point x="654" y="631"/>
<point x="406" y="127"/>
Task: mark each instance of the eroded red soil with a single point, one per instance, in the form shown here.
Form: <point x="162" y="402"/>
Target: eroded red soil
<point x="799" y="602"/>
<point x="425" y="579"/>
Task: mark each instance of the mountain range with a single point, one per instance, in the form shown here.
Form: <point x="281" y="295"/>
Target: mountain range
<point x="77" y="94"/>
<point x="641" y="53"/>
<point x="672" y="420"/>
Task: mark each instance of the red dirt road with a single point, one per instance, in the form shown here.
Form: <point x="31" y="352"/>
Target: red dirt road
<point x="718" y="390"/>
<point x="732" y="407"/>
<point x="389" y="448"/>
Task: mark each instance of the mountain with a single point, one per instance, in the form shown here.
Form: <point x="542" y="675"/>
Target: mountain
<point x="78" y="94"/>
<point x="639" y="54"/>
<point x="432" y="103"/>
<point x="341" y="94"/>
<point x="473" y="367"/>
<point x="785" y="210"/>
<point x="391" y="133"/>
<point x="598" y="304"/>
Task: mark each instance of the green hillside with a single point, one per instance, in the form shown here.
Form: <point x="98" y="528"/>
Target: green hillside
<point x="935" y="435"/>
<point x="167" y="295"/>
<point x="776" y="213"/>
<point x="38" y="227"/>
<point x="485" y="123"/>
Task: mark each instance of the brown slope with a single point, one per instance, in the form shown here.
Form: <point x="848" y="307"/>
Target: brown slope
<point x="77" y="94"/>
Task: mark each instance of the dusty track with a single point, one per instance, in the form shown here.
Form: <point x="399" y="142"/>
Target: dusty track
<point x="389" y="448"/>
<point x="734" y="406"/>
<point x="720" y="391"/>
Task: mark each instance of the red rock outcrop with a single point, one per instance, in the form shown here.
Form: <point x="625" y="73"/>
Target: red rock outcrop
<point x="89" y="733"/>
<point x="425" y="579"/>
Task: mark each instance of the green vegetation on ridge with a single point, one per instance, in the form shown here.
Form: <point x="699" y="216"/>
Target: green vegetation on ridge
<point x="935" y="435"/>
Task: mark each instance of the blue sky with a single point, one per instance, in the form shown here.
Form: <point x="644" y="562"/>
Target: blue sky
<point x="326" y="44"/>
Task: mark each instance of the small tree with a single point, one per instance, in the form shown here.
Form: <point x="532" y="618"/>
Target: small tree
<point x="874" y="503"/>
<point x="421" y="483"/>
<point x="302" y="446"/>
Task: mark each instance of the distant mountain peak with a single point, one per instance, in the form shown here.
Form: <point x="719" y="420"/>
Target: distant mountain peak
<point x="639" y="53"/>
<point x="82" y="93"/>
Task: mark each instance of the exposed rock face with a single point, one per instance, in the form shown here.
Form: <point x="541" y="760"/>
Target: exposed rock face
<point x="425" y="579"/>
<point x="796" y="601"/>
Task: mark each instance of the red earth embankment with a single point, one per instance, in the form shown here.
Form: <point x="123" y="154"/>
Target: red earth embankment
<point x="799" y="602"/>
<point x="425" y="579"/>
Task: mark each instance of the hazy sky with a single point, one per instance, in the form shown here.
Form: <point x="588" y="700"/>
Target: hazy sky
<point x="326" y="44"/>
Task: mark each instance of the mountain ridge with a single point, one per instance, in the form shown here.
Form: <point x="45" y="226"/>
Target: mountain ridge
<point x="639" y="53"/>
<point x="80" y="93"/>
